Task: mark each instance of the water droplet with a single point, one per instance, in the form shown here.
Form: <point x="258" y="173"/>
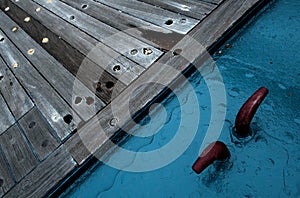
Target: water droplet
<point x="297" y="120"/>
<point x="281" y="86"/>
<point x="234" y="92"/>
<point x="249" y="75"/>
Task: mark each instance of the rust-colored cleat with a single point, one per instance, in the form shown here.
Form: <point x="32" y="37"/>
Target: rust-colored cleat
<point x="247" y="112"/>
<point x="214" y="151"/>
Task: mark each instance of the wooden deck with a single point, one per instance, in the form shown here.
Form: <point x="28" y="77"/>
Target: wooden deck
<point x="69" y="67"/>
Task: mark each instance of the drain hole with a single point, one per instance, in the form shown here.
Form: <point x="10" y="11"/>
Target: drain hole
<point x="89" y="100"/>
<point x="68" y="119"/>
<point x="98" y="86"/>
<point x="117" y="68"/>
<point x="78" y="100"/>
<point x="84" y="6"/>
<point x="109" y="84"/>
<point x="72" y="17"/>
<point x="169" y="22"/>
<point x="134" y="52"/>
<point x="177" y="52"/>
<point x="31" y="125"/>
<point x="45" y="143"/>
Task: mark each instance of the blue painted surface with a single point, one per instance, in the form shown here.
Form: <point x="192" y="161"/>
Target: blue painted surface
<point x="266" y="53"/>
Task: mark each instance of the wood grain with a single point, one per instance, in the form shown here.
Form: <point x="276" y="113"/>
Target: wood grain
<point x="39" y="133"/>
<point x="17" y="152"/>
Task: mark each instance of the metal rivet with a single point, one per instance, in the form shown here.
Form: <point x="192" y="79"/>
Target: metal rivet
<point x="6" y="9"/>
<point x="182" y="20"/>
<point x="27" y="19"/>
<point x="113" y="122"/>
<point x="38" y="9"/>
<point x="228" y="46"/>
<point x="14" y="29"/>
<point x="30" y="52"/>
<point x="45" y="40"/>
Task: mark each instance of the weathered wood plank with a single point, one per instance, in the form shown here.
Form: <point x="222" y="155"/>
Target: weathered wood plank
<point x="97" y="132"/>
<point x="104" y="33"/>
<point x="18" y="153"/>
<point x="195" y="9"/>
<point x="6" y="179"/>
<point x="39" y="133"/>
<point x="15" y="96"/>
<point x="216" y="2"/>
<point x="6" y="118"/>
<point x="48" y="174"/>
<point x="67" y="55"/>
<point x="154" y="35"/>
<point x="158" y="16"/>
<point x="53" y="107"/>
<point x="61" y="79"/>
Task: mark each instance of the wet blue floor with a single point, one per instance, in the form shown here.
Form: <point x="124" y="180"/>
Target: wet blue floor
<point x="265" y="53"/>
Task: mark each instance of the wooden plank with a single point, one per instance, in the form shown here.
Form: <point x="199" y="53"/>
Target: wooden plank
<point x="15" y="96"/>
<point x="46" y="176"/>
<point x="96" y="133"/>
<point x="6" y="118"/>
<point x="158" y="16"/>
<point x="61" y="79"/>
<point x="216" y="2"/>
<point x="154" y="35"/>
<point x="6" y="179"/>
<point x="39" y="133"/>
<point x="68" y="56"/>
<point x="104" y="33"/>
<point x="192" y="8"/>
<point x="53" y="107"/>
<point x="18" y="153"/>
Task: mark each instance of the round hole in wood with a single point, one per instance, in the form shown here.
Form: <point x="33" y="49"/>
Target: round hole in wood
<point x="109" y="84"/>
<point x="117" y="68"/>
<point x="183" y="20"/>
<point x="30" y="52"/>
<point x="68" y="119"/>
<point x="45" y="40"/>
<point x="84" y="6"/>
<point x="32" y="124"/>
<point x="78" y="100"/>
<point x="89" y="100"/>
<point x="177" y="52"/>
<point x="45" y="143"/>
<point x="134" y="52"/>
<point x="72" y="17"/>
<point x="27" y="19"/>
<point x="169" y="22"/>
<point x="14" y="29"/>
<point x="147" y="51"/>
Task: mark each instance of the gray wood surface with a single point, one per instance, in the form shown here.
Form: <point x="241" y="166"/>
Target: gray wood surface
<point x="158" y="16"/>
<point x="195" y="9"/>
<point x="97" y="132"/>
<point x="84" y="43"/>
<point x="53" y="107"/>
<point x="48" y="174"/>
<point x="147" y="32"/>
<point x="39" y="133"/>
<point x="6" y="118"/>
<point x="104" y="33"/>
<point x="15" y="96"/>
<point x="59" y="77"/>
<point x="6" y="178"/>
<point x="18" y="153"/>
